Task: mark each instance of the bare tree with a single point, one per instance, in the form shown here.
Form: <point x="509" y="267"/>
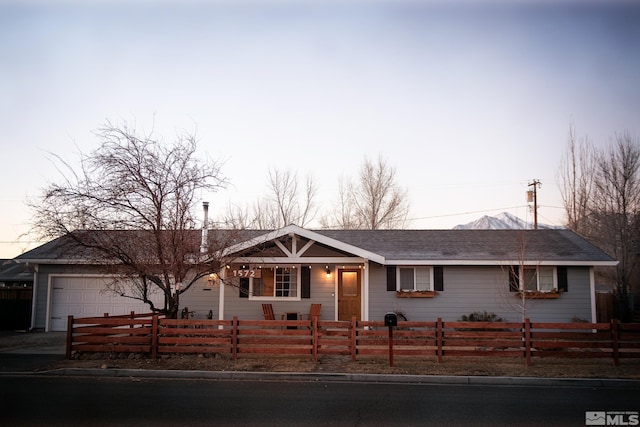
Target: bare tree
<point x="615" y="210"/>
<point x="343" y="217"/>
<point x="576" y="181"/>
<point x="283" y="204"/>
<point x="522" y="292"/>
<point x="374" y="202"/>
<point x="601" y="193"/>
<point x="130" y="207"/>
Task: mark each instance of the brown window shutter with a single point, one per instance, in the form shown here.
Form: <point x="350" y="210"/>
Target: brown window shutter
<point x="305" y="274"/>
<point x="514" y="278"/>
<point x="438" y="278"/>
<point x="391" y="278"/>
<point x="244" y="287"/>
<point x="563" y="283"/>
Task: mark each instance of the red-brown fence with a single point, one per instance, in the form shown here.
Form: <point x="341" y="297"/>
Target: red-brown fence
<point x="155" y="336"/>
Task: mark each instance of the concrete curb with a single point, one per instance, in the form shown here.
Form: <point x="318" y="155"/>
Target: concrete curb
<point x="340" y="377"/>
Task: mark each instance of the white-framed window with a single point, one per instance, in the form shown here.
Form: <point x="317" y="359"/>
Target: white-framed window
<point x="539" y="278"/>
<point x="276" y="283"/>
<point x="411" y="279"/>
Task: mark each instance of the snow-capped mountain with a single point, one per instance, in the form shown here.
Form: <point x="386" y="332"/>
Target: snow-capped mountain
<point x="502" y="221"/>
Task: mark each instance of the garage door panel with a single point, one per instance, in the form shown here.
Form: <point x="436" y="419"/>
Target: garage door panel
<point x="80" y="296"/>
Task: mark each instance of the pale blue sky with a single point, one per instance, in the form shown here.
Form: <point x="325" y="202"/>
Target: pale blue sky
<point x="468" y="100"/>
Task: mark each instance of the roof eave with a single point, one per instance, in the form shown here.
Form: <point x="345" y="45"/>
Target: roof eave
<point x="58" y="261"/>
<point x="501" y="262"/>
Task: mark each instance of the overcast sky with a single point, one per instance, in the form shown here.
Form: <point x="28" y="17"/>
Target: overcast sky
<point x="468" y="100"/>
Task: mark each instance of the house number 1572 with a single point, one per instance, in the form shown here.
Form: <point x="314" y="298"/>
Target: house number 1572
<point x="246" y="273"/>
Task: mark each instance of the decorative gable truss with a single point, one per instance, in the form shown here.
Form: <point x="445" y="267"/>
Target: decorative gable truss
<point x="281" y="261"/>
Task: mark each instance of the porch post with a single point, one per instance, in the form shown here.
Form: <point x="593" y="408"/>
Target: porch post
<point x="365" y="291"/>
<point x="69" y="340"/>
<point x="34" y="296"/>
<point x="592" y="289"/>
<point x="222" y="276"/>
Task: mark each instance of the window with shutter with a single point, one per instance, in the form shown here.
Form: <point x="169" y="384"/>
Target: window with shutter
<point x="277" y="283"/>
<point x="412" y="279"/>
<point x="541" y="279"/>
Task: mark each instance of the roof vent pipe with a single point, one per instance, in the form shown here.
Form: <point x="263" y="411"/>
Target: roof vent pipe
<point x="204" y="245"/>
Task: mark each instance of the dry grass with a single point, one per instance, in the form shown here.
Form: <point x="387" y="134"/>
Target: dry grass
<point x="460" y="366"/>
<point x="464" y="366"/>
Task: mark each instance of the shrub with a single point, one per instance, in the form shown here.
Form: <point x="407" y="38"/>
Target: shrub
<point x="480" y="316"/>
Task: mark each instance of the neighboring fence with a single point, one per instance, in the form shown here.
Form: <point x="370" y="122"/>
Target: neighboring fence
<point x="15" y="307"/>
<point x="156" y="336"/>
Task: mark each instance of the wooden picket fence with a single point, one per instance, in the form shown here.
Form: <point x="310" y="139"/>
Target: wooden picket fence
<point x="155" y="336"/>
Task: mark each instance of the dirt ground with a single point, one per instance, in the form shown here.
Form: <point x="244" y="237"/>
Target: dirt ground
<point x="462" y="366"/>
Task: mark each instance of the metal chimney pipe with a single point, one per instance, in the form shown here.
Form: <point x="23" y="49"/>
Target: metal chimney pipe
<point x="204" y="244"/>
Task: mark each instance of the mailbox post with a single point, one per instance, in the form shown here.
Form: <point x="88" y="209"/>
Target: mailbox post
<point x="390" y="320"/>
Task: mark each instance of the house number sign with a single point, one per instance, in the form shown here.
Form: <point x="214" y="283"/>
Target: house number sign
<point x="246" y="273"/>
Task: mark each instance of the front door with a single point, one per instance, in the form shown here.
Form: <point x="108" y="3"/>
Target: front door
<point x="349" y="294"/>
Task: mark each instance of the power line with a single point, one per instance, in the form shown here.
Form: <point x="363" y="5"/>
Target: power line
<point x="467" y="213"/>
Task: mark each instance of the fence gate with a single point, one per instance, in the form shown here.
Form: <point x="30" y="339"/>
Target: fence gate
<point x="605" y="307"/>
<point x="15" y="307"/>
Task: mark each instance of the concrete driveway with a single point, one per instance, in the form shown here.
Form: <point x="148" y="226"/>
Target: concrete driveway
<point x="30" y="351"/>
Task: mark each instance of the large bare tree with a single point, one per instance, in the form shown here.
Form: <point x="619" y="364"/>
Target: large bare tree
<point x="603" y="205"/>
<point x="284" y="203"/>
<point x="374" y="201"/>
<point x="576" y="177"/>
<point x="130" y="207"/>
<point x="616" y="207"/>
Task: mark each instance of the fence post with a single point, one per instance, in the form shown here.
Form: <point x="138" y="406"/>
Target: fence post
<point x="154" y="336"/>
<point x="314" y="339"/>
<point x="439" y="338"/>
<point x="615" y="345"/>
<point x="69" y="337"/>
<point x="352" y="338"/>
<point x="234" y="338"/>
<point x="132" y="316"/>
<point x="527" y="342"/>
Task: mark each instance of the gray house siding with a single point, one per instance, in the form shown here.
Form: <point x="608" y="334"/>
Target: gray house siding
<point x="571" y="306"/>
<point x="468" y="289"/>
<point x="201" y="298"/>
<point x="322" y="291"/>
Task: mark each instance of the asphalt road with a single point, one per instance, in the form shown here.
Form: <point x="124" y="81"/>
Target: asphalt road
<point x="69" y="401"/>
<point x="15" y="362"/>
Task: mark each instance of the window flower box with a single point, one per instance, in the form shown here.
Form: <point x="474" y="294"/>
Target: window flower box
<point x="539" y="294"/>
<point x="415" y="294"/>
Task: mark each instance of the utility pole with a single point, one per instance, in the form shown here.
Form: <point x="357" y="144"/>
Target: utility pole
<point x="532" y="196"/>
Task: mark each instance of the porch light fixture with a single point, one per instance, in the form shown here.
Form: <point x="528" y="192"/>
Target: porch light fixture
<point x="212" y="279"/>
<point x="328" y="270"/>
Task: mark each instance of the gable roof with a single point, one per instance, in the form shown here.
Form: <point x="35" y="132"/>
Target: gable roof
<point x="405" y="247"/>
<point x="316" y="236"/>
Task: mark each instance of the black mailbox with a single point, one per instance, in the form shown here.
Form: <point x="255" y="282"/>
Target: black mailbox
<point x="390" y="319"/>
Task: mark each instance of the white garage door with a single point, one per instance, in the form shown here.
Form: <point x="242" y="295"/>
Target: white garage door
<point x="84" y="296"/>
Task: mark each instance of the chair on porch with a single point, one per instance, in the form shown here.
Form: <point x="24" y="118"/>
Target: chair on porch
<point x="267" y="310"/>
<point x="314" y="311"/>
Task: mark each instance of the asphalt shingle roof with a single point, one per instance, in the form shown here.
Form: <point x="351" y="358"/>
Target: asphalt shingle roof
<point x="472" y="245"/>
<point x="552" y="245"/>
